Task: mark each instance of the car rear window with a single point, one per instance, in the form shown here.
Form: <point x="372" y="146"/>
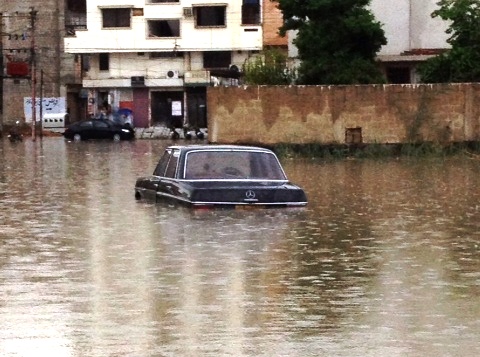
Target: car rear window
<point x="232" y="165"/>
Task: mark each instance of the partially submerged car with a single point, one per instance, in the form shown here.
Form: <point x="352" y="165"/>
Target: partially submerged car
<point x="229" y="176"/>
<point x="99" y="129"/>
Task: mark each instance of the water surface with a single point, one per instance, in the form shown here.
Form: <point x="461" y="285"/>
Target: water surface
<point x="384" y="261"/>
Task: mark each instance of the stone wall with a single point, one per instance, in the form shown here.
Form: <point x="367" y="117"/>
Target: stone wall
<point x="344" y="114"/>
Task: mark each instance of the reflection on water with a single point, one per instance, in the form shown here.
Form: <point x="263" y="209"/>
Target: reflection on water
<point x="383" y="261"/>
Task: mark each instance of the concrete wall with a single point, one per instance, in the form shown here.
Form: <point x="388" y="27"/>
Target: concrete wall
<point x="332" y="114"/>
<point x="408" y="25"/>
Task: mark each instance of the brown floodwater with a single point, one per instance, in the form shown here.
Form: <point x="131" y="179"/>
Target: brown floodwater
<point x="384" y="261"/>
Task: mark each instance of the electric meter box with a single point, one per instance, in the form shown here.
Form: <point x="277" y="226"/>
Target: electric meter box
<point x="55" y="121"/>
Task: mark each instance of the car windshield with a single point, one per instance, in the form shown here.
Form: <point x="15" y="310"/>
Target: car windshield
<point x="233" y="165"/>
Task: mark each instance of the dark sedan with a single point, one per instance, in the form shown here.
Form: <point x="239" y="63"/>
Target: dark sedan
<point x="98" y="129"/>
<point x="229" y="176"/>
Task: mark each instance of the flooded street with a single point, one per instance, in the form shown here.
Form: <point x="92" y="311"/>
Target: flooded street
<point x="384" y="261"/>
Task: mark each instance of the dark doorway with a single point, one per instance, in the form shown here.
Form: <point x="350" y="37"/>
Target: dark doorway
<point x="398" y="75"/>
<point x="197" y="107"/>
<point x="167" y="109"/>
<point x="140" y="107"/>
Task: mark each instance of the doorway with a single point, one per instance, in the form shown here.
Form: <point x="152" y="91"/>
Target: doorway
<point x="197" y="107"/>
<point x="167" y="109"/>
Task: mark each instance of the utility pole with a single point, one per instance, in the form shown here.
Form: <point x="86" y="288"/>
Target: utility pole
<point x="33" y="15"/>
<point x="2" y="71"/>
<point x="41" y="104"/>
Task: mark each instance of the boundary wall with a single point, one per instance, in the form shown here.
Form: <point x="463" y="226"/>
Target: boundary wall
<point x="364" y="114"/>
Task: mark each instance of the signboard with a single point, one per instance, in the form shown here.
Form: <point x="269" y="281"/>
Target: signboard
<point x="49" y="106"/>
<point x="197" y="78"/>
<point x="176" y="108"/>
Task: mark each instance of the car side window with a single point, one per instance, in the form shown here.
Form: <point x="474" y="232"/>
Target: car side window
<point x="86" y="124"/>
<point x="162" y="164"/>
<point x="172" y="164"/>
<point x="100" y="124"/>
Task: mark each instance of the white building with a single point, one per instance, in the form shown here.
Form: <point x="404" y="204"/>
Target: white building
<point x="412" y="36"/>
<point x="156" y="57"/>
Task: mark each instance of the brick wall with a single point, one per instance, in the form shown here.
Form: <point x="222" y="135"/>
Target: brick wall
<point x="272" y="20"/>
<point x="344" y="114"/>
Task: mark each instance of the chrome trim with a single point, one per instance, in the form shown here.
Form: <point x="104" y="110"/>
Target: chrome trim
<point x="249" y="203"/>
<point x="233" y="180"/>
<point x="235" y="203"/>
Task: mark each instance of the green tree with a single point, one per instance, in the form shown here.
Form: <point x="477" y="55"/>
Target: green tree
<point x="337" y="40"/>
<point x="462" y="62"/>
<point x="269" y="68"/>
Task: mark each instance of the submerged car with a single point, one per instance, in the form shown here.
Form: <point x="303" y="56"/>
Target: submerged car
<point x="98" y="129"/>
<point x="229" y="176"/>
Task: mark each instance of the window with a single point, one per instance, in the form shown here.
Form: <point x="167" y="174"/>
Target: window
<point x="163" y="28"/>
<point x="251" y="12"/>
<point x="217" y="59"/>
<point x="115" y="18"/>
<point x="167" y="165"/>
<point x="163" y="163"/>
<point x="232" y="165"/>
<point x="172" y="164"/>
<point x="86" y="124"/>
<point x="77" y="5"/>
<point x="103" y="62"/>
<point x="210" y="16"/>
<point x="100" y="124"/>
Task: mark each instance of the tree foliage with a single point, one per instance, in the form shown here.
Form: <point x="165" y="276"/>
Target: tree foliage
<point x="337" y="40"/>
<point x="269" y="68"/>
<point x="462" y="62"/>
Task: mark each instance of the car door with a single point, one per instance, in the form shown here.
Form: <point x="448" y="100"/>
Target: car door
<point x="85" y="129"/>
<point x="102" y="130"/>
<point x="168" y="184"/>
<point x="149" y="185"/>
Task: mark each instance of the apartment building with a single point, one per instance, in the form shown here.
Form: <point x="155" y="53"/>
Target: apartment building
<point x="156" y="58"/>
<point x="31" y="47"/>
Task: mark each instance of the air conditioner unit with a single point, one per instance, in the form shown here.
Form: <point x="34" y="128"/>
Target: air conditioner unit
<point x="172" y="74"/>
<point x="188" y="11"/>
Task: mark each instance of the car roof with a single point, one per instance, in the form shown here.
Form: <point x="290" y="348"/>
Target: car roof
<point x="222" y="147"/>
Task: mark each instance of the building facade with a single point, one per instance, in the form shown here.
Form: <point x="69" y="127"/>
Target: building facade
<point x="31" y="52"/>
<point x="412" y="37"/>
<point x="155" y="58"/>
